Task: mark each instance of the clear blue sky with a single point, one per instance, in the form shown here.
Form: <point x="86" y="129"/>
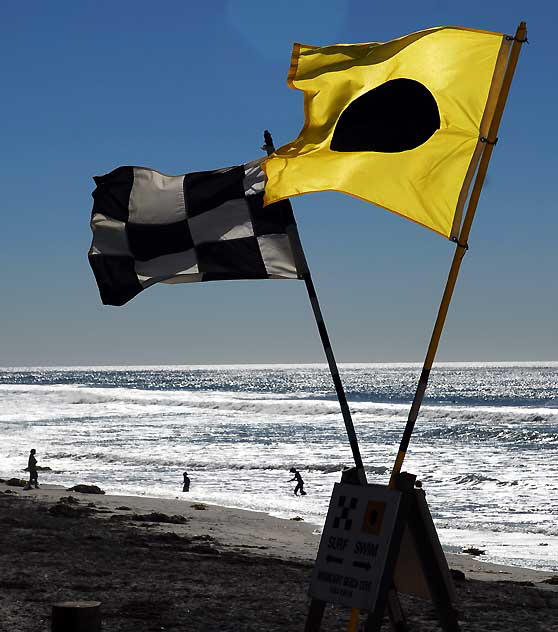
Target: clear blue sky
<point x="187" y="86"/>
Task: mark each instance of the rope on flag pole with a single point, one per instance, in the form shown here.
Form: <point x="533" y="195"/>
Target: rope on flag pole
<point x="461" y="248"/>
<point x="307" y="278"/>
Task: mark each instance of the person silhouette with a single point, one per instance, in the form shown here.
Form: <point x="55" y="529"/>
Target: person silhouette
<point x="186" y="486"/>
<point x="299" y="482"/>
<point x="32" y="469"/>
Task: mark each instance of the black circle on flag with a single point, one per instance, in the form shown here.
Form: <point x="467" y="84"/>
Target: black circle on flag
<point x="396" y="116"/>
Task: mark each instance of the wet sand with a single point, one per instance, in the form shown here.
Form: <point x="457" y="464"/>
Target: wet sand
<point x="175" y="564"/>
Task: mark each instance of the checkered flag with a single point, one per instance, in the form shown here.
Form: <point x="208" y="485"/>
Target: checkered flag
<point x="344" y="508"/>
<point x="149" y="227"/>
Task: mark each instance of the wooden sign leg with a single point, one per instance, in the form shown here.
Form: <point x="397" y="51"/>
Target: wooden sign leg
<point x="433" y="562"/>
<point x="405" y="484"/>
<point x="395" y="612"/>
<point x="315" y="616"/>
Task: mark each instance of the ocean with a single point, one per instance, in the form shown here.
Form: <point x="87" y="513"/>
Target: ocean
<point x="485" y="445"/>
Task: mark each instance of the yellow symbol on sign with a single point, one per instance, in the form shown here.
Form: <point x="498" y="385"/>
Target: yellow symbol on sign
<point x="373" y="517"/>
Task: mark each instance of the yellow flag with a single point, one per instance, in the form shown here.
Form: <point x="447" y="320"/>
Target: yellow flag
<point x="397" y="124"/>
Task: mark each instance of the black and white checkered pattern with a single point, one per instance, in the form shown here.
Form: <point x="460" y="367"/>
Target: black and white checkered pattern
<point x="345" y="507"/>
<point x="205" y="226"/>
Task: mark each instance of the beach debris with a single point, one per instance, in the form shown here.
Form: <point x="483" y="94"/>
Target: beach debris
<point x="146" y="609"/>
<point x="123" y="508"/>
<point x="204" y="548"/>
<point x="120" y="518"/>
<point x="16" y="482"/>
<point x="94" y="536"/>
<point x="10" y="491"/>
<point x="69" y="500"/>
<point x="68" y="511"/>
<point x="86" y="489"/>
<point x="170" y="538"/>
<point x="15" y="584"/>
<point x="203" y="544"/>
<point x="297" y="519"/>
<point x="457" y="575"/>
<point x="473" y="551"/>
<point x="199" y="506"/>
<point x="152" y="517"/>
<point x="553" y="581"/>
<point x="203" y="537"/>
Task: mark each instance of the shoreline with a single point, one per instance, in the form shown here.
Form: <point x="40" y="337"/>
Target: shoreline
<point x="180" y="565"/>
<point x="253" y="531"/>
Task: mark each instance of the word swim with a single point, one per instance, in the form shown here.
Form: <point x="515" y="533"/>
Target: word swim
<point x="367" y="549"/>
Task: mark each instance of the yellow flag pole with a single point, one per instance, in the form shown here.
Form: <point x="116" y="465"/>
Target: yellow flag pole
<point x="461" y="248"/>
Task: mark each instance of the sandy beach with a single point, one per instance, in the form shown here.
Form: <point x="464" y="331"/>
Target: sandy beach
<point x="176" y="564"/>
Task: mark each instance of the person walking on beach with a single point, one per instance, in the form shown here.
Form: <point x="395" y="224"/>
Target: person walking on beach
<point x="186" y="486"/>
<point x="299" y="482"/>
<point x="32" y="469"/>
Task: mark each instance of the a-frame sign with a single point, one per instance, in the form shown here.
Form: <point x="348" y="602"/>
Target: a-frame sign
<point x="377" y="542"/>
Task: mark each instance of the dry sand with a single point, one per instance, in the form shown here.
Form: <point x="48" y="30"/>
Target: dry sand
<point x="218" y="570"/>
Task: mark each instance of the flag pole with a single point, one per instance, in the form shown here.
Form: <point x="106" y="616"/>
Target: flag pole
<point x="302" y="265"/>
<point x="461" y="247"/>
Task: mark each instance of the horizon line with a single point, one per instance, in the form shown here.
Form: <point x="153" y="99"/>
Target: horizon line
<point x="451" y="363"/>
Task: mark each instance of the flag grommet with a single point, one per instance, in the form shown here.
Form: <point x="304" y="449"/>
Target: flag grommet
<point x="465" y="246"/>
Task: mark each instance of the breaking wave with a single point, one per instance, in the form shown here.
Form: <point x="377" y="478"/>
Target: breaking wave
<point x="484" y="446"/>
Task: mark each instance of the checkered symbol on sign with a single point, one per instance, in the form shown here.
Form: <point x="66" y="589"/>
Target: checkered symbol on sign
<point x="344" y="507"/>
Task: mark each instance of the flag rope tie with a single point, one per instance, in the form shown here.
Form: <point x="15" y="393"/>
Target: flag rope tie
<point x="511" y="38"/>
<point x="483" y="139"/>
<point x="465" y="246"/>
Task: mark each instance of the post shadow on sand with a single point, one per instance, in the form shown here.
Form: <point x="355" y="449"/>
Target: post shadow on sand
<point x="32" y="469"/>
<point x="299" y="482"/>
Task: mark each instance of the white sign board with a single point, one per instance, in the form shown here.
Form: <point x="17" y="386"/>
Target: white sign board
<point x="354" y="545"/>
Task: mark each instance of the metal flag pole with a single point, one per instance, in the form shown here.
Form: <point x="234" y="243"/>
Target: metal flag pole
<point x="461" y="247"/>
<point x="302" y="266"/>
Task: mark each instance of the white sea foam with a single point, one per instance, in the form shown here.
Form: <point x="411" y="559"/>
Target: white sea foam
<point x="485" y="444"/>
